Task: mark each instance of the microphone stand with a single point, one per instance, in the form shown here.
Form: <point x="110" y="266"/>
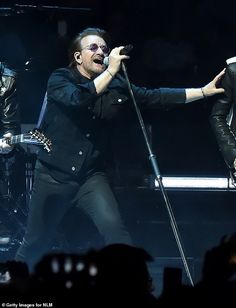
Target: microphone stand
<point x="158" y="177"/>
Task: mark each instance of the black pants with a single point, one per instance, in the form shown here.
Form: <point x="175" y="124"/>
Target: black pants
<point x="50" y="202"/>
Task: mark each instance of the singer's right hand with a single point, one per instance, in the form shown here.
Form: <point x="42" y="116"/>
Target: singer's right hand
<point x="115" y="59"/>
<point x="102" y="81"/>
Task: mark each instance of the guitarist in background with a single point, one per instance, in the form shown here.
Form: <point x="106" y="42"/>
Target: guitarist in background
<point x="9" y="125"/>
<point x="223" y="118"/>
<point x="9" y="108"/>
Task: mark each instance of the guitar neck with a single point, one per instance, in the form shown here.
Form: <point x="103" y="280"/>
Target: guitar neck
<point x="22" y="138"/>
<point x="16" y="139"/>
<point x="33" y="137"/>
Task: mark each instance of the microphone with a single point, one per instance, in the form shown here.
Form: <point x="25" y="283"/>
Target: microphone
<point x="124" y="51"/>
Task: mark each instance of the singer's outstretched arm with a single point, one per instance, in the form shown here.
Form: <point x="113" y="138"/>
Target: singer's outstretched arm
<point x="208" y="90"/>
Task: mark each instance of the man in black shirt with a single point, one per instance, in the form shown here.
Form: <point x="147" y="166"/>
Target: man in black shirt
<point x="223" y="118"/>
<point x="9" y="108"/>
<point x="9" y="125"/>
<point x="84" y="102"/>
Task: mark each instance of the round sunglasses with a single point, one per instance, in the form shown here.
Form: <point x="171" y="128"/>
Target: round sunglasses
<point x="94" y="47"/>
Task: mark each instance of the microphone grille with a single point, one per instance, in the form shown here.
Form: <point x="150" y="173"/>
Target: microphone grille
<point x="106" y="61"/>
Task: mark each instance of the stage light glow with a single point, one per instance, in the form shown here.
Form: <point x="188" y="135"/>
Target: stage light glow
<point x="196" y="183"/>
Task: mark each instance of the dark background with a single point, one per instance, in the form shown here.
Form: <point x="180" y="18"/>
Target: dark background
<point x="176" y="44"/>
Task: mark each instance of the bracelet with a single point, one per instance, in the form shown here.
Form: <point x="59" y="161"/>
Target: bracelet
<point x="109" y="73"/>
<point x="203" y="94"/>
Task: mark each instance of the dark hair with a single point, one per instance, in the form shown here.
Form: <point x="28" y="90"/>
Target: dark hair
<point x="76" y="43"/>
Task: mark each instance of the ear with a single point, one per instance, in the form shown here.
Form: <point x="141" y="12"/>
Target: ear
<point x="77" y="56"/>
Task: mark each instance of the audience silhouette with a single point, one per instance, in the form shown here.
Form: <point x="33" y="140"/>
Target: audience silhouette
<point x="118" y="275"/>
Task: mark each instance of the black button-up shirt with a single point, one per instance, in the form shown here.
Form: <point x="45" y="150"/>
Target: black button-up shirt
<point x="80" y="122"/>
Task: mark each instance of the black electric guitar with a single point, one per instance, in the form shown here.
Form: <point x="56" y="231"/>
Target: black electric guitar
<point x="34" y="137"/>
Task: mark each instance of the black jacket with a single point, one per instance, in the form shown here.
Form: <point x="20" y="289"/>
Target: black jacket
<point x="80" y="122"/>
<point x="220" y="115"/>
<point x="9" y="109"/>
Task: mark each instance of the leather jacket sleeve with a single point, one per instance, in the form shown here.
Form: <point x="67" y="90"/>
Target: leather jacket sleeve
<point x="219" y="117"/>
<point x="9" y="109"/>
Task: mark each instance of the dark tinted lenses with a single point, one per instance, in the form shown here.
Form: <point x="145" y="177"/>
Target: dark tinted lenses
<point x="94" y="47"/>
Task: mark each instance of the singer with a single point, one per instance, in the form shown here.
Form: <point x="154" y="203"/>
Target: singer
<point x="84" y="101"/>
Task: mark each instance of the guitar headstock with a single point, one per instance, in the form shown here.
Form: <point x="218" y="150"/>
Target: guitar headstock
<point x="42" y="139"/>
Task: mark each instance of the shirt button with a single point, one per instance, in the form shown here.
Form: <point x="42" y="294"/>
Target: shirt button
<point x="73" y="168"/>
<point x="80" y="153"/>
<point x="119" y="100"/>
<point x="88" y="135"/>
<point x="93" y="117"/>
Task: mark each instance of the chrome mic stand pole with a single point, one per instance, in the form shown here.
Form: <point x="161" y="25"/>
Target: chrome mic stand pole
<point x="158" y="177"/>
